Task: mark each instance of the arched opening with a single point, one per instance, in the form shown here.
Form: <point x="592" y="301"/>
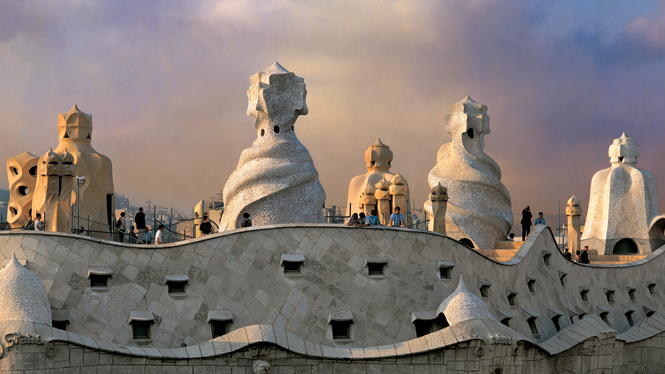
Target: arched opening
<point x="424" y="327"/>
<point x="276" y="128"/>
<point x="657" y="233"/>
<point x="470" y="133"/>
<point x="625" y="246"/>
<point x="467" y="242"/>
<point x="33" y="171"/>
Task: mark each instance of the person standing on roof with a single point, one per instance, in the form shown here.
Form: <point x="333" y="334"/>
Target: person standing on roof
<point x="526" y="222"/>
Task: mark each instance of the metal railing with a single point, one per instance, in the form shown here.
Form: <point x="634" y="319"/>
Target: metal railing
<point x="90" y="227"/>
<point x="339" y="219"/>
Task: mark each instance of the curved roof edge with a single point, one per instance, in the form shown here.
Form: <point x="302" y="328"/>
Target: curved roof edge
<point x="490" y="331"/>
<point x="588" y="327"/>
<point x="535" y="234"/>
<point x="478" y="329"/>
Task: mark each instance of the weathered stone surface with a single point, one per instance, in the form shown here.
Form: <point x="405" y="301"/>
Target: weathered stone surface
<point x="22" y="175"/>
<point x="333" y="266"/>
<point x="22" y="295"/>
<point x="479" y="206"/>
<point x="623" y="199"/>
<point x="378" y="189"/>
<point x="276" y="173"/>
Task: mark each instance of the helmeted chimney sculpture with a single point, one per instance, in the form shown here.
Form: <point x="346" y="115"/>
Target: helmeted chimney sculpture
<point x="389" y="190"/>
<point x="479" y="206"/>
<point x="53" y="195"/>
<point x="275" y="180"/>
<point x="574" y="211"/>
<point x="55" y="191"/>
<point x="438" y="197"/>
<point x="622" y="202"/>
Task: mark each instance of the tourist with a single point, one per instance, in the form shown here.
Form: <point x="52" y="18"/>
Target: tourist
<point x="132" y="237"/>
<point x="526" y="222"/>
<point x="567" y="254"/>
<point x="397" y="219"/>
<point x="362" y="220"/>
<point x="246" y="221"/>
<point x="206" y="227"/>
<point x="159" y="238"/>
<point x="584" y="257"/>
<point x="121" y="225"/>
<point x="139" y="220"/>
<point x="353" y="220"/>
<point x="39" y="225"/>
<point x="373" y="220"/>
<point x="147" y="237"/>
<point x="29" y="224"/>
<point x="511" y="237"/>
<point x="540" y="220"/>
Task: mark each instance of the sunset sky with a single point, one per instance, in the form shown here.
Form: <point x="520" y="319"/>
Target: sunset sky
<point x="166" y="84"/>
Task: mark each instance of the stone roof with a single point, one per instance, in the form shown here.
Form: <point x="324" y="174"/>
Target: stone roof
<point x="22" y="295"/>
<point x="462" y="305"/>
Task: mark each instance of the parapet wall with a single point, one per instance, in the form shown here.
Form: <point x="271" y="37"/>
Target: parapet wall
<point x="470" y="346"/>
<point x="240" y="271"/>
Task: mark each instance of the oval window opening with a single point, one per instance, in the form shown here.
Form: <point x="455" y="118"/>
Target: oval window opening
<point x="263" y="132"/>
<point x="467" y="242"/>
<point x="23" y="190"/>
<point x="470" y="133"/>
<point x="13" y="210"/>
<point x="625" y="246"/>
<point x="33" y="171"/>
<point x="276" y="129"/>
<point x="13" y="169"/>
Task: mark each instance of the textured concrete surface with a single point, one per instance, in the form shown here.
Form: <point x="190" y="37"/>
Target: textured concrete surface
<point x="479" y="206"/>
<point x="623" y="199"/>
<point x="240" y="271"/>
<point x="276" y="173"/>
<point x="477" y="345"/>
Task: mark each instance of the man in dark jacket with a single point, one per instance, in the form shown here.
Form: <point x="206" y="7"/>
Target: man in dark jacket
<point x="526" y="222"/>
<point x="567" y="254"/>
<point x="584" y="257"/>
<point x="139" y="220"/>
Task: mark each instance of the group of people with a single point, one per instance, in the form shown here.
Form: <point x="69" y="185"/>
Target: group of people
<point x="37" y="224"/>
<point x="582" y="256"/>
<point x="396" y="219"/>
<point x="526" y="221"/>
<point x="144" y="233"/>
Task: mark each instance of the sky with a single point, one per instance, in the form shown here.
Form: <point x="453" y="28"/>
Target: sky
<point x="166" y="84"/>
